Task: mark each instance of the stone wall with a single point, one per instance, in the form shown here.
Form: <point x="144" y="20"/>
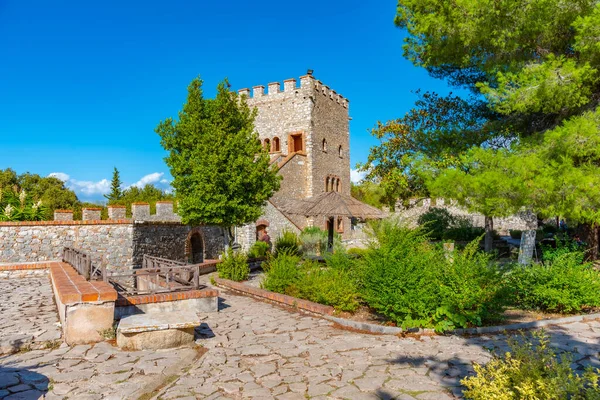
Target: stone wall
<point x="114" y="244"/>
<point x="520" y="221"/>
<point x="108" y="242"/>
<point x="277" y="224"/>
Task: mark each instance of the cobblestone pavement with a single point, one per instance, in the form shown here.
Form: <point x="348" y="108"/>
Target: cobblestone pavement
<point x="29" y="316"/>
<point x="88" y="372"/>
<point x="257" y="350"/>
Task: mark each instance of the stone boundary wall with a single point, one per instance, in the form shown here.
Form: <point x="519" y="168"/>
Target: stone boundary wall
<point x="416" y="208"/>
<point x="23" y="270"/>
<point x="110" y="243"/>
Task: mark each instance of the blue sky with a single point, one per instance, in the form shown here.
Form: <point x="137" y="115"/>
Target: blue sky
<point x="83" y="84"/>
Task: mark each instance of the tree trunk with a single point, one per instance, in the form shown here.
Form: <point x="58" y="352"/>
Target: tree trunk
<point x="590" y="235"/>
<point x="489" y="234"/>
<point x="527" y="246"/>
<point x="226" y="238"/>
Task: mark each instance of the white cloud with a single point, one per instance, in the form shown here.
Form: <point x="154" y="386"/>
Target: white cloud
<point x="59" y="175"/>
<point x="152" y="178"/>
<point x="89" y="188"/>
<point x="357" y="176"/>
<point x="93" y="190"/>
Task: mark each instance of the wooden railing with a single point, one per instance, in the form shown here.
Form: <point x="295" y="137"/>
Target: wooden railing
<point x="157" y="275"/>
<point x="82" y="262"/>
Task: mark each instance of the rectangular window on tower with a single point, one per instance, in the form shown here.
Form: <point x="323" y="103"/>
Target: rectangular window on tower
<point x="340" y="225"/>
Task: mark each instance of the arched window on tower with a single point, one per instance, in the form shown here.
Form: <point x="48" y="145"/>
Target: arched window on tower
<point x="327" y="184"/>
<point x="338" y="186"/>
<point x="267" y="145"/>
<point x="275" y="147"/>
<point x="341" y="154"/>
<point x="324" y="145"/>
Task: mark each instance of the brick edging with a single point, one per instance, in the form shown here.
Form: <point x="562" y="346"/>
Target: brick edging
<point x="72" y="288"/>
<point x="275" y="297"/>
<point x="26" y="266"/>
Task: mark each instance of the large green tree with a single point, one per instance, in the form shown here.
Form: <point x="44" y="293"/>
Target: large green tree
<point x="534" y="65"/>
<point x="221" y="174"/>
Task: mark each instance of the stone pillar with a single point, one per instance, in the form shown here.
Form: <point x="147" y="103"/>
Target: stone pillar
<point x="140" y="211"/>
<point x="63" y="215"/>
<point x="244" y="92"/>
<point x="258" y="91"/>
<point x="91" y="214"/>
<point x="116" y="212"/>
<point x="164" y="209"/>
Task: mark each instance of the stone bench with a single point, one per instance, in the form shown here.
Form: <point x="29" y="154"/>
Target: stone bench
<point x="157" y="331"/>
<point x="86" y="308"/>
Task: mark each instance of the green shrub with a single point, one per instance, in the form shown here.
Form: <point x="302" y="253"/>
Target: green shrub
<point x="356" y="252"/>
<point x="516" y="234"/>
<point x="413" y="284"/>
<point x="330" y="286"/>
<point x="233" y="266"/>
<point x="314" y="241"/>
<point x="282" y="274"/>
<point x="563" y="246"/>
<point x="564" y="285"/>
<point x="324" y="284"/>
<point x="287" y="243"/>
<point x="463" y="233"/>
<point x="531" y="371"/>
<point x="258" y="250"/>
<point x="436" y="221"/>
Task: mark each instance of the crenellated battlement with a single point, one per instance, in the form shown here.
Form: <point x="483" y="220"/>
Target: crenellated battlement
<point x="290" y="86"/>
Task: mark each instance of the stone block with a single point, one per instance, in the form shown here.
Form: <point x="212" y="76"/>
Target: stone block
<point x="157" y="331"/>
<point x="116" y="212"/>
<point x="91" y="214"/>
<point x="140" y="211"/>
<point x="83" y="322"/>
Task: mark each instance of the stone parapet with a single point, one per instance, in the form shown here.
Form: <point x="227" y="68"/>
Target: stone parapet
<point x="63" y="215"/>
<point x="140" y="211"/>
<point x="91" y="214"/>
<point x="116" y="212"/>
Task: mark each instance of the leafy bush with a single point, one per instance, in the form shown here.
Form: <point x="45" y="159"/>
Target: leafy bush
<point x="287" y="243"/>
<point x="282" y="274"/>
<point x="356" y="252"/>
<point x="314" y="241"/>
<point x="233" y="266"/>
<point x="463" y="233"/>
<point x="258" y="250"/>
<point x="563" y="246"/>
<point x="330" y="284"/>
<point x="413" y="284"/>
<point x="531" y="371"/>
<point x="18" y="205"/>
<point x="515" y="233"/>
<point x="436" y="221"/>
<point x="563" y="285"/>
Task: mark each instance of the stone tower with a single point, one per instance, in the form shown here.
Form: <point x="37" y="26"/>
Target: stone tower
<point x="306" y="128"/>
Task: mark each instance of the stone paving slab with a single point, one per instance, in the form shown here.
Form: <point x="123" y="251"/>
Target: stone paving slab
<point x="29" y="315"/>
<point x="101" y="371"/>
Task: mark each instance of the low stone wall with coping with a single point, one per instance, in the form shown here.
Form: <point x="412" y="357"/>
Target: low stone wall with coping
<point x="9" y="271"/>
<point x="203" y="300"/>
<point x="85" y="308"/>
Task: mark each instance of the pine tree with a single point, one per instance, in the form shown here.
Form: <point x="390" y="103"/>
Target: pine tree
<point x="116" y="193"/>
<point x="221" y="174"/>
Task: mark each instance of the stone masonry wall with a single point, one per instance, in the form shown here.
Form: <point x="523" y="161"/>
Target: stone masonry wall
<point x="109" y="243"/>
<point x="411" y="214"/>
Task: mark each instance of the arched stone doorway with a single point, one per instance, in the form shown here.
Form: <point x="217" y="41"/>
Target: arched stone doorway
<point x="261" y="228"/>
<point x="195" y="246"/>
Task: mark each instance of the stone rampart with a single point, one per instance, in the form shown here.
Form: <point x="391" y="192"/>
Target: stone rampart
<point x="416" y="208"/>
